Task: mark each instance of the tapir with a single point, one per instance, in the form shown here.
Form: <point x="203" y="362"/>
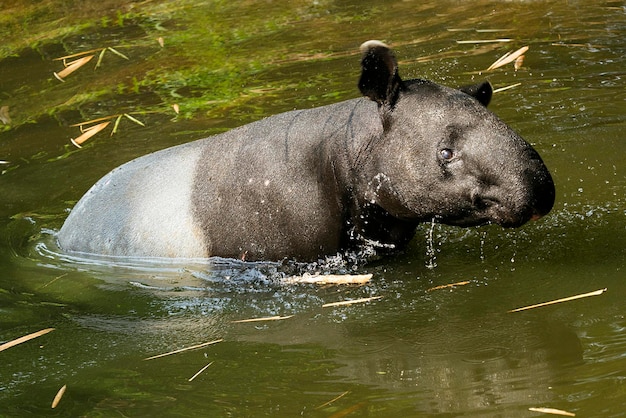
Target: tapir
<point x="305" y="184"/>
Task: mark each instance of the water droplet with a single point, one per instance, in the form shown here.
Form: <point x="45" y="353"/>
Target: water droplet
<point x="430" y="246"/>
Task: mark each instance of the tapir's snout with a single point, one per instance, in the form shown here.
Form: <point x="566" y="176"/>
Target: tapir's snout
<point x="510" y="198"/>
<point x="544" y="193"/>
<point x="541" y="192"/>
<point x="535" y="199"/>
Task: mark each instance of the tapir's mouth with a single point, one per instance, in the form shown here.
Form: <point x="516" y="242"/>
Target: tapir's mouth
<point x="493" y="212"/>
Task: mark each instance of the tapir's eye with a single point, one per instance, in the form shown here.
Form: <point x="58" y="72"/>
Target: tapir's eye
<point x="446" y="154"/>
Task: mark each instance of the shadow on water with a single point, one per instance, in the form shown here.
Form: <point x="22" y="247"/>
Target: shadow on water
<point x="453" y="351"/>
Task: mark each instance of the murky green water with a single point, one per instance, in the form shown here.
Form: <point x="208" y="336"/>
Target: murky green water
<point x="415" y="352"/>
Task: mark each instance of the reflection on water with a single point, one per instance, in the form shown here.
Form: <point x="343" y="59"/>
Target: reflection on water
<point x="414" y="352"/>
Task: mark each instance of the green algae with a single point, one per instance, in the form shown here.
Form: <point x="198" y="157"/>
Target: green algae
<point x="195" y="55"/>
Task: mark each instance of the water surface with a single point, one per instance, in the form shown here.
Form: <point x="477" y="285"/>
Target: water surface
<point x="414" y="352"/>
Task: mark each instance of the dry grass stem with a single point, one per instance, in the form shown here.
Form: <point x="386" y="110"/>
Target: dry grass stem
<point x="350" y="302"/>
<point x="118" y="53"/>
<point x="116" y="125"/>
<point x="200" y="371"/>
<point x="72" y="66"/>
<point x="507" y="87"/>
<point x="193" y="347"/>
<point x="267" y="318"/>
<point x="333" y="400"/>
<point x="445" y="286"/>
<point x="58" y="396"/>
<point x="330" y="279"/>
<point x="88" y="133"/>
<point x="553" y="411"/>
<point x="137" y="121"/>
<point x="484" y="41"/>
<point x="584" y="295"/>
<point x="78" y="54"/>
<point x="100" y="57"/>
<point x="89" y="122"/>
<point x="25" y="338"/>
<point x="492" y="30"/>
<point x="52" y="281"/>
<point x="507" y="58"/>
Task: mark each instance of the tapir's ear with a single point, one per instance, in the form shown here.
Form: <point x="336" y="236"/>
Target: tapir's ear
<point x="481" y="92"/>
<point x="379" y="76"/>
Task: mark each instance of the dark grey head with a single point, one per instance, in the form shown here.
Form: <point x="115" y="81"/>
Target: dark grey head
<point x="443" y="155"/>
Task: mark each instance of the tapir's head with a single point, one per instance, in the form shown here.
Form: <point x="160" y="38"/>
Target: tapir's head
<point x="442" y="155"/>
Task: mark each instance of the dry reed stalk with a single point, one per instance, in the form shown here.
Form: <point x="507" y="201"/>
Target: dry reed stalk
<point x="116" y="52"/>
<point x="78" y="54"/>
<point x="484" y="41"/>
<point x="58" y="396"/>
<point x="72" y="66"/>
<point x="52" y="281"/>
<point x="507" y="87"/>
<point x="333" y="400"/>
<point x="100" y="57"/>
<point x="25" y="338"/>
<point x="445" y="286"/>
<point x="553" y="411"/>
<point x="199" y="371"/>
<point x="137" y="121"/>
<point x="89" y="122"/>
<point x="507" y="58"/>
<point x="267" y="318"/>
<point x="350" y="302"/>
<point x="193" y="347"/>
<point x="330" y="279"/>
<point x="88" y="133"/>
<point x="116" y="125"/>
<point x="552" y="302"/>
<point x="492" y="30"/>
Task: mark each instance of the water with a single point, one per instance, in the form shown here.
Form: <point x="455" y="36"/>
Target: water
<point x="454" y="351"/>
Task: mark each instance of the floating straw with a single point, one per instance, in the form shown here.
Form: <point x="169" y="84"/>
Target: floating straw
<point x="333" y="400"/>
<point x="199" y="371"/>
<point x="88" y="133"/>
<point x="584" y="295"/>
<point x="445" y="286"/>
<point x="25" y="338"/>
<point x="350" y="302"/>
<point x="58" y="396"/>
<point x="267" y="318"/>
<point x="507" y="58"/>
<point x="553" y="411"/>
<point x="330" y="278"/>
<point x="193" y="347"/>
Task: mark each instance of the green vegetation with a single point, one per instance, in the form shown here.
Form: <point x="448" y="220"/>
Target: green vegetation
<point x="192" y="54"/>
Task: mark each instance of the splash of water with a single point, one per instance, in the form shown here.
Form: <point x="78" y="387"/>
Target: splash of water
<point x="483" y="238"/>
<point x="431" y="252"/>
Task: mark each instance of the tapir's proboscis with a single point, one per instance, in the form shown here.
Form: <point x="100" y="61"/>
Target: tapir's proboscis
<point x="306" y="184"/>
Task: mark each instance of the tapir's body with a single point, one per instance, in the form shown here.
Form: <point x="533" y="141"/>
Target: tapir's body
<point x="310" y="183"/>
<point x="190" y="201"/>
